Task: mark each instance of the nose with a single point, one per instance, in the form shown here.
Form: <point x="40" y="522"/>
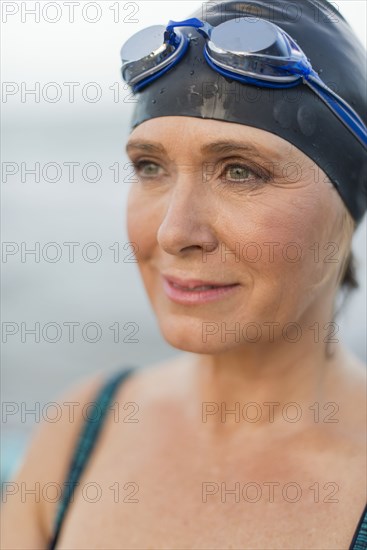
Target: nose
<point x="187" y="224"/>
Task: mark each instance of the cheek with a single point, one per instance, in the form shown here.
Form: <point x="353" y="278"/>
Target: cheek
<point x="142" y="223"/>
<point x="293" y="221"/>
<point x="143" y="220"/>
<point x="281" y="240"/>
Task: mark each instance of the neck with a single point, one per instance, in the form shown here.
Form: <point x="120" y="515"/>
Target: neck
<point x="270" y="379"/>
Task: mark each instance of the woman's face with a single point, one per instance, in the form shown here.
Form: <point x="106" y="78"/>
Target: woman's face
<point x="230" y="204"/>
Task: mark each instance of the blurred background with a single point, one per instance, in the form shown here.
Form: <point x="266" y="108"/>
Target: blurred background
<point x="65" y="178"/>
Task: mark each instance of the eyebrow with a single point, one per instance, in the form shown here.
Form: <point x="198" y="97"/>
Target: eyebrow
<point x="216" y="147"/>
<point x="230" y="146"/>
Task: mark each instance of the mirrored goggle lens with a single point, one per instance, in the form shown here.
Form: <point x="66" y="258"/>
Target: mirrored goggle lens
<point x="144" y="51"/>
<point x="245" y="35"/>
<point x="257" y="49"/>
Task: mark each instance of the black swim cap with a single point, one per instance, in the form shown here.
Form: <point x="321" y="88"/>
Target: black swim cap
<point x="298" y="115"/>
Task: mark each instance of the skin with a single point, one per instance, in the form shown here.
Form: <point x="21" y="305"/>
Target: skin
<point x="172" y="213"/>
<point x="180" y="222"/>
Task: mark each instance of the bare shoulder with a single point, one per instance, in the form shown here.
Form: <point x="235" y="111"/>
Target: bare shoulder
<point x="355" y="375"/>
<point x="355" y="362"/>
<point x="162" y="382"/>
<point x="349" y="390"/>
<point x="45" y="463"/>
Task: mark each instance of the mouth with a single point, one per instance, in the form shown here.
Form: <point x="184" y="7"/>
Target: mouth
<point x="196" y="291"/>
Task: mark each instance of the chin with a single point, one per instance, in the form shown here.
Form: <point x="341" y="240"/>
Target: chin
<point x="186" y="334"/>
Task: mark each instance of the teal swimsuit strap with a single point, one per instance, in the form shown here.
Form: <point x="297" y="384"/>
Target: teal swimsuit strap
<point x="359" y="541"/>
<point x="87" y="439"/>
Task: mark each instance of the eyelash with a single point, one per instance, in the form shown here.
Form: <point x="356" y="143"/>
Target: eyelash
<point x="262" y="175"/>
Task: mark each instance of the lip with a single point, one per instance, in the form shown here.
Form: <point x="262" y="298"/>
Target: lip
<point x="187" y="296"/>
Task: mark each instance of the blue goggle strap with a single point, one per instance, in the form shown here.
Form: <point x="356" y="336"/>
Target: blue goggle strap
<point x="340" y="108"/>
<point x="202" y="26"/>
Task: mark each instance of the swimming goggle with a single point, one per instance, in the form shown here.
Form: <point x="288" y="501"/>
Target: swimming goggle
<point x="251" y="51"/>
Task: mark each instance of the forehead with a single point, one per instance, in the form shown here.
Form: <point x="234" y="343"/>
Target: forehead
<point x="196" y="135"/>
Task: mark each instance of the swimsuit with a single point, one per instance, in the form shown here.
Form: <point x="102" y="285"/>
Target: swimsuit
<point x="87" y="441"/>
